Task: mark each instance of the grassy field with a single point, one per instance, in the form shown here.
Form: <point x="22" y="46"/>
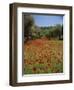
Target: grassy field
<point x="43" y="56"/>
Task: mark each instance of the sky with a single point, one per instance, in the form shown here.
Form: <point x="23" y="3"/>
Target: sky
<point x="47" y="20"/>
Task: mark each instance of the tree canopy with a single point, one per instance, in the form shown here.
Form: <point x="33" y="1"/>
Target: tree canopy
<point x="31" y="31"/>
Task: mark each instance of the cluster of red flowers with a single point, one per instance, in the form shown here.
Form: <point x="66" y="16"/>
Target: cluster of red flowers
<point x="43" y="56"/>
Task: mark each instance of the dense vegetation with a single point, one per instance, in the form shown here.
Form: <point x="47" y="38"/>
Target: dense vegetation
<point x="31" y="31"/>
<point x="43" y="56"/>
<point x="43" y="48"/>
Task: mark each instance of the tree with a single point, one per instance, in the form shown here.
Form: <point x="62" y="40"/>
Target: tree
<point x="59" y="29"/>
<point x="55" y="32"/>
<point x="28" y="23"/>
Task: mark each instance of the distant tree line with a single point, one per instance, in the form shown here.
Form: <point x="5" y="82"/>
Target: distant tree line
<point x="31" y="31"/>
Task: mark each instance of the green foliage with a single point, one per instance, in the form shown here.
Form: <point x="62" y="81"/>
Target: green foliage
<point x="31" y="31"/>
<point x="55" y="32"/>
<point x="28" y="70"/>
<point x="28" y="23"/>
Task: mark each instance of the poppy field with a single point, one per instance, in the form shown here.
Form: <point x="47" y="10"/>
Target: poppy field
<point x="43" y="56"/>
<point x="43" y="43"/>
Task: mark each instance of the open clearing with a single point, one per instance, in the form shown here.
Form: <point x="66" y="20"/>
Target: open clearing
<point x="43" y="56"/>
